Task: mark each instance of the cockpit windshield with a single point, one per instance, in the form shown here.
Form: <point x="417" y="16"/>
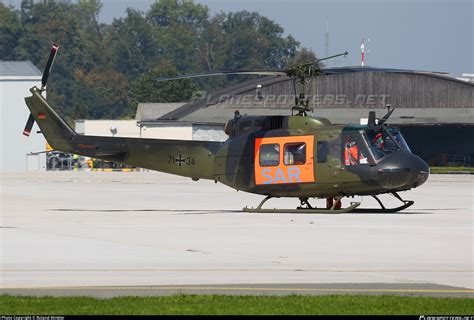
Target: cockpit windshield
<point x="384" y="141"/>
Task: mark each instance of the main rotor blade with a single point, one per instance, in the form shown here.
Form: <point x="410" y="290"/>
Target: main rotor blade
<point x="356" y="69"/>
<point x="318" y="60"/>
<point x="290" y="71"/>
<point x="345" y="53"/>
<point x="225" y="73"/>
<point x="260" y="72"/>
<point x="49" y="64"/>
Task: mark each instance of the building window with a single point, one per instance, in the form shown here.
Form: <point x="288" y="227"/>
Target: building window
<point x="295" y="153"/>
<point x="269" y="155"/>
<point x="322" y="152"/>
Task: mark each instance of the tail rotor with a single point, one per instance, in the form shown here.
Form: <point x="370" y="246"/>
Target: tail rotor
<point x="44" y="80"/>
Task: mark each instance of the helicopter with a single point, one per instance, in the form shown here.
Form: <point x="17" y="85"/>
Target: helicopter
<point x="296" y="156"/>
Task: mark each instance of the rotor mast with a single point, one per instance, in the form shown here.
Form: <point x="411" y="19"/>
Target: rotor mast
<point x="301" y="74"/>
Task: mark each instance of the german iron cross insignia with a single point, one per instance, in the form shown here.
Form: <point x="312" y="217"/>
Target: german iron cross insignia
<point x="179" y="160"/>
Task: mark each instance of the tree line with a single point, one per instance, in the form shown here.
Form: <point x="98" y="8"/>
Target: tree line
<point x="104" y="70"/>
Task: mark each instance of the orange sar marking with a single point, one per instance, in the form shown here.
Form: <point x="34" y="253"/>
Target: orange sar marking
<point x="284" y="160"/>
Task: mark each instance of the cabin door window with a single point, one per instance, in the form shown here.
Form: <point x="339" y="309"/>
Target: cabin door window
<point x="284" y="160"/>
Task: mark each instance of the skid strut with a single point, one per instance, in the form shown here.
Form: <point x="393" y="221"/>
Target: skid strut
<point x="383" y="209"/>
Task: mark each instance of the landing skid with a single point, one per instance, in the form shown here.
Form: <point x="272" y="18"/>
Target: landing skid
<point x="406" y="204"/>
<point x="306" y="208"/>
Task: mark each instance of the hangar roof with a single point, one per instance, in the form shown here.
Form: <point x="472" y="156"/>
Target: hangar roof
<point x="153" y="111"/>
<point x="19" y="70"/>
<point x="419" y="97"/>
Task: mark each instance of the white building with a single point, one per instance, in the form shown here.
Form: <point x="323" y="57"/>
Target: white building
<point x="174" y="130"/>
<point x="146" y="125"/>
<point x="18" y="153"/>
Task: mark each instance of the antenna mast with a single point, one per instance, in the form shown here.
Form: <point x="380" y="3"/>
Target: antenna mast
<point x="364" y="49"/>
<point x="327" y="37"/>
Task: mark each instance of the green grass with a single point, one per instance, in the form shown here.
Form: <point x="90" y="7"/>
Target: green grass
<point x="236" y="305"/>
<point x="445" y="170"/>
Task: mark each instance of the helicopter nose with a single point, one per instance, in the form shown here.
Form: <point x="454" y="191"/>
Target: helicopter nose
<point x="402" y="170"/>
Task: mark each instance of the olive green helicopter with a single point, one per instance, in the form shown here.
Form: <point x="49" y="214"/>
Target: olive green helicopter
<point x="295" y="155"/>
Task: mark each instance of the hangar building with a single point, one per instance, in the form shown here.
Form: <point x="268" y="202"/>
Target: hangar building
<point x="19" y="153"/>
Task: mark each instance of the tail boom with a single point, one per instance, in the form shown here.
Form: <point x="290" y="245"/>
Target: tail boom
<point x="186" y="158"/>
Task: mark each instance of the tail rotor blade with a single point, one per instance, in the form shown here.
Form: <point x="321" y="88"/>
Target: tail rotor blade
<point x="49" y="64"/>
<point x="29" y="125"/>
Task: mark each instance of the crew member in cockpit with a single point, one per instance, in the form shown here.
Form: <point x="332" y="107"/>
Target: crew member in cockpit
<point x="378" y="140"/>
<point x="352" y="154"/>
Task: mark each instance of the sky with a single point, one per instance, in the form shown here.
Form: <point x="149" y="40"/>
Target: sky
<point x="429" y="35"/>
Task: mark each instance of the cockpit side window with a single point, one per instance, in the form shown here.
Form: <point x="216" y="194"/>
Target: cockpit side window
<point x="401" y="141"/>
<point x="355" y="152"/>
<point x="383" y="142"/>
<point x="322" y="151"/>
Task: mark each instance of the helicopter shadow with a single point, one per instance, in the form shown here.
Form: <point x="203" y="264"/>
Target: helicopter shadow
<point x="419" y="211"/>
<point x="389" y="213"/>
<point x="176" y="211"/>
<point x="217" y="211"/>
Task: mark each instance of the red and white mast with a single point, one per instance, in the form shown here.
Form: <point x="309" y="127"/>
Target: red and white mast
<point x="362" y="48"/>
